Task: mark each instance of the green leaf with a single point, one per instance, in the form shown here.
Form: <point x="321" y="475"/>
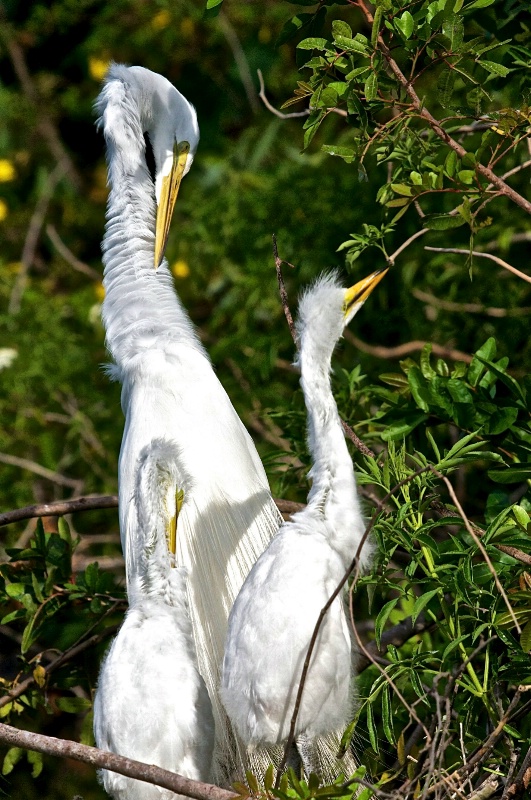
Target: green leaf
<point x="346" y="153"/>
<point x="371" y="87"/>
<point x="373" y="734"/>
<point x="445" y="86"/>
<point x="421" y="602"/>
<point x="387" y="715"/>
<point x="525" y="637"/>
<point x="73" y="705"/>
<point x="341" y="28"/>
<point x="466" y="176"/>
<point x="36" y="760"/>
<point x="402" y="188"/>
<point x="513" y="474"/>
<point x="313" y="43"/>
<point x="15" y="590"/>
<point x="406" y="24"/>
<point x="479" y="4"/>
<point x="494" y="68"/>
<point x="442" y="222"/>
<point x="212" y="8"/>
<point x="382" y="617"/>
<point x="404" y="427"/>
<point x="12" y="757"/>
<point x="292" y="27"/>
<point x="351" y="45"/>
<point x="450" y="163"/>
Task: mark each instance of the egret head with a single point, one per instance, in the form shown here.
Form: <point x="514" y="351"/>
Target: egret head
<point x="324" y="311"/>
<point x="170" y="122"/>
<point x="136" y="104"/>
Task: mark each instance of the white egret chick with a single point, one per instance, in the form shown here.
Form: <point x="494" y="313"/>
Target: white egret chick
<point x="170" y="390"/>
<point x="152" y="704"/>
<point x="275" y="613"/>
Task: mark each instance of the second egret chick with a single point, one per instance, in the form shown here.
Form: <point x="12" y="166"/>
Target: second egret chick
<point x="274" y="615"/>
<point x="152" y="704"/>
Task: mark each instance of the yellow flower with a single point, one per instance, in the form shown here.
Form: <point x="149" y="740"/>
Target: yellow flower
<point x="98" y="67"/>
<point x="264" y="34"/>
<point x="161" y="20"/>
<point x="4" y="211"/>
<point x="100" y="291"/>
<point x="180" y="269"/>
<point x="7" y="170"/>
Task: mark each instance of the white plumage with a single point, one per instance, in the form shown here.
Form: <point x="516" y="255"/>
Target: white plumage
<point x="152" y="704"/>
<point x="273" y="618"/>
<point x="170" y="390"/>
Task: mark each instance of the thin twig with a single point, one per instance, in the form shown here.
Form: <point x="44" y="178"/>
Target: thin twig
<point x="405" y="349"/>
<point x="32" y="236"/>
<point x="362" y="447"/>
<point x="477" y="253"/>
<point x="391" y="259"/>
<point x="469" y="308"/>
<point x="240" y="60"/>
<point x="64" y="748"/>
<point x="68" y="255"/>
<point x="49" y="474"/>
<point x="271" y="108"/>
<point x="282" y="290"/>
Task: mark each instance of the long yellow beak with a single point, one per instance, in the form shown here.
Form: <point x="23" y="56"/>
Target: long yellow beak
<point x="168" y="196"/>
<point x="361" y="290"/>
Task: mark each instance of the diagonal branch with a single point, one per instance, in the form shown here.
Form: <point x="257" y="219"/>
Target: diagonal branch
<point x="63" y="748"/>
<point x="496" y="259"/>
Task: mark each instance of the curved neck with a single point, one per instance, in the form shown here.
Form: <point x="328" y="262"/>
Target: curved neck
<point x="333" y="495"/>
<point x="140" y="310"/>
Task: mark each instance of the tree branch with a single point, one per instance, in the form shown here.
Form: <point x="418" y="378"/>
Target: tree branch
<point x="68" y="255"/>
<point x="477" y="253"/>
<point x="49" y="474"/>
<point x="405" y="349"/>
<point x="148" y="773"/>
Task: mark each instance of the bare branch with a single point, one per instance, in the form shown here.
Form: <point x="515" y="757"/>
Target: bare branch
<point x="32" y="237"/>
<point x="405" y="349"/>
<point x="60" y="507"/>
<point x="49" y="474"/>
<point x="64" y="748"/>
<point x="393" y="256"/>
<point x="68" y="255"/>
<point x="272" y="109"/>
<point x="240" y="59"/>
<point x="477" y="253"/>
<point x="362" y="447"/>
<point x="469" y="308"/>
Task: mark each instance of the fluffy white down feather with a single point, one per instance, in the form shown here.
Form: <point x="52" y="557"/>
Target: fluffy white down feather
<point x="152" y="704"/>
<point x="274" y="615"/>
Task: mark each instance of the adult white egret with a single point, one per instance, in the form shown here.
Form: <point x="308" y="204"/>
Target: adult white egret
<point x="273" y="618"/>
<point x="170" y="390"/>
<point x="152" y="704"/>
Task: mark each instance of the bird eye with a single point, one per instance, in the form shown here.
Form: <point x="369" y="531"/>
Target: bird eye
<point x="150" y="158"/>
